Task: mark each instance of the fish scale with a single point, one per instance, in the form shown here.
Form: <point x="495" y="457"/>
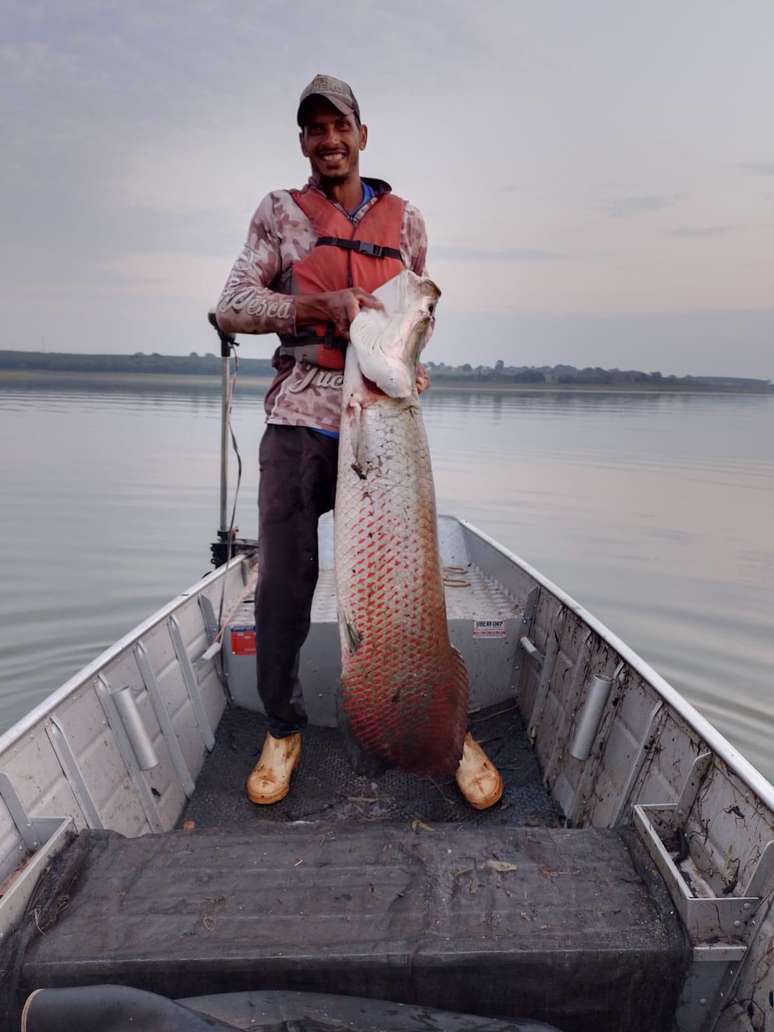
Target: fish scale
<point x="404" y="686"/>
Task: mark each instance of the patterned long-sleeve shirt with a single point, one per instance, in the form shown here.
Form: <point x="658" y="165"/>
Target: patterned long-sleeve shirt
<point x="257" y="298"/>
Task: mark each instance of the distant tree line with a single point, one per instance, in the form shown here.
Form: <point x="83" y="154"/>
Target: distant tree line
<point x="466" y="374"/>
<point x="182" y="365"/>
<point x="500" y="373"/>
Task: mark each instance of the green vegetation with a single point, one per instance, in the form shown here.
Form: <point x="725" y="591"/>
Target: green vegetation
<point x="178" y="365"/>
<point x="498" y="375"/>
<point x="567" y="375"/>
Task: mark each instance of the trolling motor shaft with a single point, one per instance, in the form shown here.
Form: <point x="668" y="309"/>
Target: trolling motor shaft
<point x="227" y="543"/>
<point x="227" y="344"/>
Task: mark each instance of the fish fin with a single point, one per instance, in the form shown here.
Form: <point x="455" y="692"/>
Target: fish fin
<point x="357" y="439"/>
<point x="354" y="636"/>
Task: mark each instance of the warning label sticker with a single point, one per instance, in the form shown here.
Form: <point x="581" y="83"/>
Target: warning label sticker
<point x="243" y="641"/>
<point x="489" y="628"/>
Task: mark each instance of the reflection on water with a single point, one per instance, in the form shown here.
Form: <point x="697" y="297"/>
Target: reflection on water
<point x="654" y="510"/>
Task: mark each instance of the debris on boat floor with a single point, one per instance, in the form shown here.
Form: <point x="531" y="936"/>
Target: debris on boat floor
<point x="326" y="787"/>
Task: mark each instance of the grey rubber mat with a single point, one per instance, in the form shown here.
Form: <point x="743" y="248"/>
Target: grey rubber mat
<point x="543" y="923"/>
<point x="118" y="1008"/>
<point x="326" y="788"/>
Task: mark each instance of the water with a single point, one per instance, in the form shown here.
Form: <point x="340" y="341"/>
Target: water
<point x="654" y="510"/>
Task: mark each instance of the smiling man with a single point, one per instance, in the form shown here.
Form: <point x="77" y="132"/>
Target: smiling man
<point x="311" y="260"/>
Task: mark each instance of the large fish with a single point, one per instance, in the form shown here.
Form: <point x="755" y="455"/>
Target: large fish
<point x="404" y="687"/>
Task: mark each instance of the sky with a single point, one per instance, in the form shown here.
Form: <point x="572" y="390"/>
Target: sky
<point x="597" y="178"/>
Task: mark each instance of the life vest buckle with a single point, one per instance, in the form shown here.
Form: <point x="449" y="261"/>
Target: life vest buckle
<point x="372" y="250"/>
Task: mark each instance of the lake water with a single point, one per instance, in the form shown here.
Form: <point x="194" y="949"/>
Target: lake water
<point x="656" y="511"/>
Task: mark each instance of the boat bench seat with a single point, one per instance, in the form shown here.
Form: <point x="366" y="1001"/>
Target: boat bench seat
<point x="552" y="924"/>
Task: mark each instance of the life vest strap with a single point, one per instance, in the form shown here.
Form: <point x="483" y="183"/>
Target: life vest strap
<point x="361" y="247"/>
<point x="305" y="343"/>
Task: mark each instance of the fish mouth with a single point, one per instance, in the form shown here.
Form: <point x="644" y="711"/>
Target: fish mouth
<point x="419" y="336"/>
<point x="388" y="343"/>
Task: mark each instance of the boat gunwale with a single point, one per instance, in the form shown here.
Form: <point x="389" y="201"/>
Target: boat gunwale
<point x="27" y="722"/>
<point x="719" y="745"/>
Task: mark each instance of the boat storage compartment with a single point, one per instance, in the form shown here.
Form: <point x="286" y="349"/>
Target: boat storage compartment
<point x="552" y="924"/>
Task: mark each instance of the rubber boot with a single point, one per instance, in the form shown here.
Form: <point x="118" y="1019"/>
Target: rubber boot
<point x="477" y="777"/>
<point x="270" y="778"/>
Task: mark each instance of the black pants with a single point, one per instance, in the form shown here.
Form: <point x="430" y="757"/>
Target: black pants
<point x="297" y="485"/>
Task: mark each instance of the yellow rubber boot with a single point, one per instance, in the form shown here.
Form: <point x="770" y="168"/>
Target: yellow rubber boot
<point x="477" y="777"/>
<point x="270" y="778"/>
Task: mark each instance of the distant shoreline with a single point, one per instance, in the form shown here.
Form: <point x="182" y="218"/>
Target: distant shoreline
<point x="172" y="380"/>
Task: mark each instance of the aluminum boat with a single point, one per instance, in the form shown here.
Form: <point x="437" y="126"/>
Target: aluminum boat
<point x="624" y="882"/>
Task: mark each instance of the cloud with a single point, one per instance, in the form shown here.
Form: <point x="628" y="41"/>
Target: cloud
<point x="689" y="232"/>
<point x="626" y="207"/>
<point x="761" y="168"/>
<point x="167" y="275"/>
<point x="503" y="254"/>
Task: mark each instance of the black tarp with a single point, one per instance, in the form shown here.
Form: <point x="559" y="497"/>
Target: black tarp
<point x="542" y="923"/>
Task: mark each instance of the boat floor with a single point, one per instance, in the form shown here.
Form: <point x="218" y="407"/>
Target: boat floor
<point x="325" y="787"/>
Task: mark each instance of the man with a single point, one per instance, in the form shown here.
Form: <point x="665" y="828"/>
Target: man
<point x="311" y="260"/>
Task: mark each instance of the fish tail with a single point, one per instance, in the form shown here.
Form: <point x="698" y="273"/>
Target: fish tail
<point x="420" y="730"/>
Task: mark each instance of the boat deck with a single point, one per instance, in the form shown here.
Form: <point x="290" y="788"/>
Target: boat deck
<point x="326" y="788"/>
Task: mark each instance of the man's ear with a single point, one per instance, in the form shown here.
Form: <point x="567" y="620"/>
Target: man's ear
<point x="363" y="136"/>
<point x="303" y="145"/>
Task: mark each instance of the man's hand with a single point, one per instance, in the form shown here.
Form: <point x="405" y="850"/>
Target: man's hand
<point x="337" y="306"/>
<point x="423" y="378"/>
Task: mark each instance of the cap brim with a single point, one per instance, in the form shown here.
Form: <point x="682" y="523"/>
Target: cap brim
<point x="337" y="102"/>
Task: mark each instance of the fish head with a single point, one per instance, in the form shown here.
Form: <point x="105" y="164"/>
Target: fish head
<point x="389" y="341"/>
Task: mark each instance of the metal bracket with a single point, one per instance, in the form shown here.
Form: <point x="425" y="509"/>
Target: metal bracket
<point x="164" y="719"/>
<point x="209" y="619"/>
<point x="708" y="986"/>
<point x="527" y="617"/>
<point x="191" y="683"/>
<point x="532" y="650"/>
<point x="761" y="877"/>
<point x="553" y="775"/>
<point x="530" y="608"/>
<point x="19" y="889"/>
<point x="34" y="832"/>
<point x="546" y="671"/>
<point x="706" y="918"/>
<point x="696" y="775"/>
<point x="13" y="804"/>
<point x="211" y="630"/>
<point x="638" y="763"/>
<point x="136" y="776"/>
<point x="591" y="771"/>
<point x="73" y="773"/>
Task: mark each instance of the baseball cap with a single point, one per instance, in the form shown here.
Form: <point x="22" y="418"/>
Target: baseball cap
<point x="336" y="91"/>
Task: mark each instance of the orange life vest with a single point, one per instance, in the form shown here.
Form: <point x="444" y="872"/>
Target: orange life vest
<point x="347" y="254"/>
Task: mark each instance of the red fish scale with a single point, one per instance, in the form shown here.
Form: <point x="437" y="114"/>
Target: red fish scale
<point x="404" y="687"/>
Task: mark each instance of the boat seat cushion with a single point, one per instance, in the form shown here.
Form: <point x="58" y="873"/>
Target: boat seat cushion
<point x="550" y="924"/>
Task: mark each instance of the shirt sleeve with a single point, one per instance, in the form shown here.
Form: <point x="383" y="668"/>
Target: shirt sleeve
<point x="414" y="241"/>
<point x="247" y="304"/>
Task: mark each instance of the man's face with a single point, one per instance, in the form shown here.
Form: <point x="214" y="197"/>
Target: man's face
<point x="332" y="141"/>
